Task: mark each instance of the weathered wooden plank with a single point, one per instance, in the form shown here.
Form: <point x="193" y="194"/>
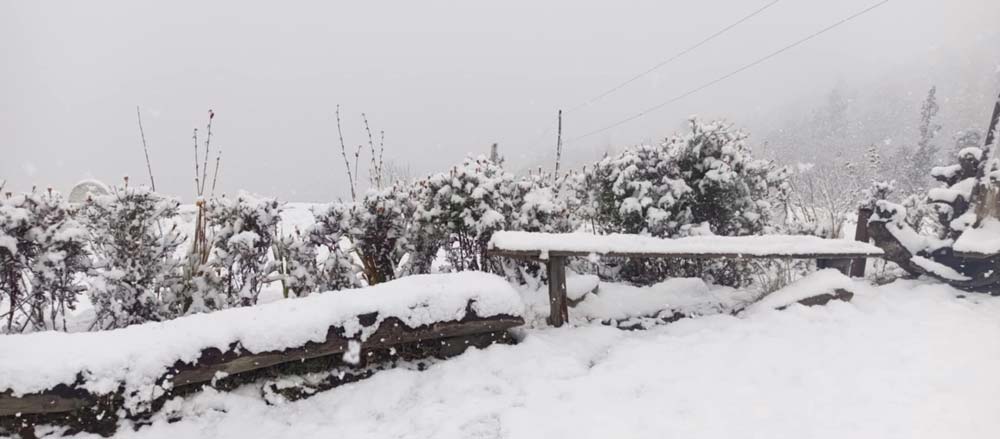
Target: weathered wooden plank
<point x="214" y="362"/>
<point x="558" y="308"/>
<point x="861" y="234"/>
<point x="391" y="332"/>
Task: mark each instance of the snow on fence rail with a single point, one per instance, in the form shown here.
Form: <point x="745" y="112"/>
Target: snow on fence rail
<point x="53" y="372"/>
<point x="554" y="248"/>
<point x="616" y="244"/>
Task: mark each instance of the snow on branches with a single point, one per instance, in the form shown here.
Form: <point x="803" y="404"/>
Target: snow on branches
<point x="136" y="277"/>
<point x="43" y="254"/>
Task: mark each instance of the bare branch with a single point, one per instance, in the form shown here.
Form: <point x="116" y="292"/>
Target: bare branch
<point x="197" y="185"/>
<point x="215" y="175"/>
<point x="373" y="169"/>
<point x="208" y="144"/>
<point x="145" y="149"/>
<point x="347" y="162"/>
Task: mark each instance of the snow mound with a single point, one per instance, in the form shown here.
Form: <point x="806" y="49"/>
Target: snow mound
<point x="578" y="285"/>
<point x="688" y="296"/>
<point x="820" y="282"/>
<point x="137" y="355"/>
<point x="909" y="360"/>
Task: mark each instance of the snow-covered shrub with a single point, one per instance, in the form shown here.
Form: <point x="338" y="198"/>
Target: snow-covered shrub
<point x="704" y="177"/>
<point x="540" y="204"/>
<point x="240" y="262"/>
<point x="43" y="256"/>
<point x="375" y="228"/>
<point x="304" y="271"/>
<point x="136" y="277"/>
<point x="463" y="208"/>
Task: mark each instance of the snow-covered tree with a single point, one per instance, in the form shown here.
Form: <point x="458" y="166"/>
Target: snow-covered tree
<point x="137" y="277"/>
<point x="916" y="164"/>
<point x="43" y="255"/>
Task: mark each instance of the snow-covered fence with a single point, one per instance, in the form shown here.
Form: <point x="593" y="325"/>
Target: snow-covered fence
<point x="134" y="367"/>
<point x="554" y="248"/>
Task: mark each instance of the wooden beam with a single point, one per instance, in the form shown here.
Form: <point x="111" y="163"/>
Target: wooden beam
<point x="861" y="234"/>
<point x="558" y="310"/>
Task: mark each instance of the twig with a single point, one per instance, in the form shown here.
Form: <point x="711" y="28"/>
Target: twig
<point x="215" y="175"/>
<point x="373" y="170"/>
<point x="381" y="152"/>
<point x="347" y="162"/>
<point x="208" y="144"/>
<point x="357" y="159"/>
<point x="145" y="149"/>
<point x="197" y="185"/>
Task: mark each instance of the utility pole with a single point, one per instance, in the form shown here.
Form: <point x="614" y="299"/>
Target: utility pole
<point x="558" y="145"/>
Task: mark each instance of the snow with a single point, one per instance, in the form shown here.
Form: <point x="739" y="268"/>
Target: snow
<point x="904" y="360"/>
<point x="949" y="195"/>
<point x="579" y="285"/>
<point x="142" y="353"/>
<point x="9" y="243"/>
<point x="815" y="284"/>
<point x="683" y="295"/>
<point x="938" y="268"/>
<point x="945" y="172"/>
<point x="971" y="151"/>
<point x="984" y="239"/>
<point x="765" y="245"/>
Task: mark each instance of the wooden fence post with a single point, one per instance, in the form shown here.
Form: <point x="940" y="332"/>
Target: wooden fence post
<point x="558" y="312"/>
<point x="861" y="234"/>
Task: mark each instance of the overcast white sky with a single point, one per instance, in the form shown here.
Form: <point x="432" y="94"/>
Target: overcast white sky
<point x="442" y="78"/>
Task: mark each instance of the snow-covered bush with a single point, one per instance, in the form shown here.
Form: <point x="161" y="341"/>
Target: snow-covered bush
<point x="704" y="181"/>
<point x="375" y="228"/>
<point x="541" y="204"/>
<point x="43" y="256"/>
<point x="304" y="271"/>
<point x="136" y="276"/>
<point x="462" y="208"/>
<point x="240" y="262"/>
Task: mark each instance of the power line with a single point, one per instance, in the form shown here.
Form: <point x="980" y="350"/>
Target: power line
<point x="728" y="75"/>
<point x="671" y="59"/>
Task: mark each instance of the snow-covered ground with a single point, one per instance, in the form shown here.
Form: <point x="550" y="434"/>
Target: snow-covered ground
<point x="904" y="360"/>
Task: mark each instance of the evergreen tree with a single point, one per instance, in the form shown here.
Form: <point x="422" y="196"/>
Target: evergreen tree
<point x="917" y="165"/>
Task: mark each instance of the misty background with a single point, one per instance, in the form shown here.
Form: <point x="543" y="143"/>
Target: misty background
<point x="445" y="79"/>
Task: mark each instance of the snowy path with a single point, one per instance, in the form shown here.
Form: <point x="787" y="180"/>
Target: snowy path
<point x="906" y="360"/>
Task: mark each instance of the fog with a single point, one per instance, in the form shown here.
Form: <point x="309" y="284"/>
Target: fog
<point x="444" y="79"/>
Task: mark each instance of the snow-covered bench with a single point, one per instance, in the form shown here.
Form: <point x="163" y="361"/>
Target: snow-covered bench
<point x="554" y="248"/>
